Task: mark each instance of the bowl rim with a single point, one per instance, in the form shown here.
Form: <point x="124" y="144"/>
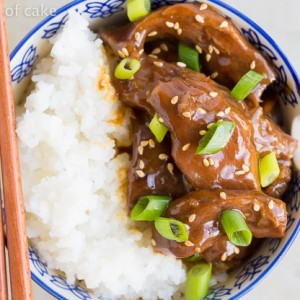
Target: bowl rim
<point x="296" y="79"/>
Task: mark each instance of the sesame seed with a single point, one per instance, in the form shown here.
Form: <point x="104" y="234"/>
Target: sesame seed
<point x="223" y="195"/>
<point x="141" y="164"/>
<point x="202" y="132"/>
<point x="153" y="56"/>
<point x="125" y="51"/>
<point x="256" y="207"/>
<point x="210" y="125"/>
<point x="227" y="110"/>
<point x="141" y="51"/>
<point x="198" y="48"/>
<point x="161" y="120"/>
<point x="206" y="162"/>
<point x="192" y="218"/>
<point x="151" y="143"/>
<point x="271" y="204"/>
<point x="158" y="63"/>
<point x="179" y="31"/>
<point x="210" y="49"/>
<point x="201" y="110"/>
<point x="153" y="242"/>
<point x="208" y="57"/>
<point x="163" y="156"/>
<point x="181" y="64"/>
<point x="156" y="51"/>
<point x="253" y="65"/>
<point x="220" y="114"/>
<point x="224" y="24"/>
<point x="141" y="150"/>
<point x="170" y="167"/>
<point x="203" y="6"/>
<point x="140" y="173"/>
<point x="176" y="26"/>
<point x="174" y="100"/>
<point x="240" y="172"/>
<point x="170" y="24"/>
<point x="199" y="19"/>
<point x="152" y="33"/>
<point x="189" y="244"/>
<point x="144" y="143"/>
<point x="121" y="54"/>
<point x="211" y="161"/>
<point x="186" y="147"/>
<point x="216" y="50"/>
<point x="246" y="168"/>
<point x="236" y="250"/>
<point x="224" y="256"/>
<point x="187" y="114"/>
<point x="137" y="36"/>
<point x="197" y="250"/>
<point x="164" y="47"/>
<point x="214" y="75"/>
<point x="213" y="94"/>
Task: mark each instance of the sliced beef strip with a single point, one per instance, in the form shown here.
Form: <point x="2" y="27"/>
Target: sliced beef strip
<point x="268" y="137"/>
<point x="224" y="48"/>
<point x="149" y="173"/>
<point x="199" y="104"/>
<point x="207" y="205"/>
<point x="224" y="255"/>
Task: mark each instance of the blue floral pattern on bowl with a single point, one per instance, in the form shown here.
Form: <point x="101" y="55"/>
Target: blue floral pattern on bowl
<point x="53" y="27"/>
<point x="258" y="266"/>
<point x="23" y="69"/>
<point x="105" y="9"/>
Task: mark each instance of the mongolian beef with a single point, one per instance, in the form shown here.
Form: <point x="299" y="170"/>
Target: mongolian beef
<point x="208" y="165"/>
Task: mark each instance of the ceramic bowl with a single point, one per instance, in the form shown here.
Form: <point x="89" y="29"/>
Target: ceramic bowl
<point x="99" y="13"/>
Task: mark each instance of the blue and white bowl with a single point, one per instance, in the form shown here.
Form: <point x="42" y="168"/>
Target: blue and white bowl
<point x="35" y="45"/>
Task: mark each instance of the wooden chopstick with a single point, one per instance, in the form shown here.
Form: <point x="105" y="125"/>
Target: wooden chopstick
<point x="3" y="282"/>
<point x="11" y="179"/>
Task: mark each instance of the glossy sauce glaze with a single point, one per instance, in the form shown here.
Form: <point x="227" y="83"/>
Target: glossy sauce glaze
<point x="188" y="103"/>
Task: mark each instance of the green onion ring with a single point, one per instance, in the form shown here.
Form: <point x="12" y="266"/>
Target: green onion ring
<point x="268" y="169"/>
<point x="158" y="128"/>
<point x="236" y="228"/>
<point x="197" y="282"/>
<point x="246" y="85"/>
<point x="216" y="138"/>
<point x="189" y="56"/>
<point x="127" y="68"/>
<point x="171" y="229"/>
<point x="137" y="9"/>
<point x="148" y="208"/>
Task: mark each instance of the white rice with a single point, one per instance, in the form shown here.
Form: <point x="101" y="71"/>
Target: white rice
<point x="74" y="181"/>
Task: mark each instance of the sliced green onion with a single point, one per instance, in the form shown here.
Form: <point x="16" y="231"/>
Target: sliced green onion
<point x="137" y="9"/>
<point x="158" y="128"/>
<point x="148" y="208"/>
<point x="236" y="228"/>
<point x="127" y="68"/>
<point x="197" y="282"/>
<point x="268" y="169"/>
<point x="171" y="229"/>
<point x="189" y="56"/>
<point x="216" y="138"/>
<point x="246" y="85"/>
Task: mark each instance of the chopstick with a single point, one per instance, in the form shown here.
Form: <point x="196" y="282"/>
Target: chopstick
<point x="3" y="282"/>
<point x="11" y="181"/>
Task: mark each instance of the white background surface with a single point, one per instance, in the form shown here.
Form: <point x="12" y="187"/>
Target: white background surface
<point x="281" y="19"/>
